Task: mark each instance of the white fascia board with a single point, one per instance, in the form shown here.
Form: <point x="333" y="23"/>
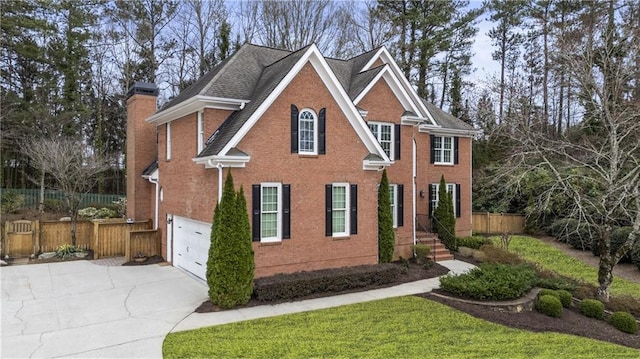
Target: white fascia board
<point x="446" y="131"/>
<point x="195" y="104"/>
<point x="369" y="165"/>
<point x="386" y="57"/>
<point x="155" y="175"/>
<point x="225" y="161"/>
<point x="412" y="120"/>
<point x="329" y="79"/>
<point x="396" y="88"/>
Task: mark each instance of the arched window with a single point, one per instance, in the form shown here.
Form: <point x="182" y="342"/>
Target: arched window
<point x="308" y="134"/>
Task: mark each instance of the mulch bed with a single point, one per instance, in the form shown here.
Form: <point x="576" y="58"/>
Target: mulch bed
<point x="52" y="260"/>
<point x="571" y="322"/>
<point x="413" y="273"/>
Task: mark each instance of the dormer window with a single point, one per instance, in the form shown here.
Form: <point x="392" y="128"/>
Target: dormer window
<point x="308" y="134"/>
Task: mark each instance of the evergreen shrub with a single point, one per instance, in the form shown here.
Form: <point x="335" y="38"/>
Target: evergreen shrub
<point x="386" y="236"/>
<point x="474" y="242"/>
<point x="491" y="282"/>
<point x="592" y="308"/>
<point x="444" y="217"/>
<point x="624" y="322"/>
<point x="549" y="305"/>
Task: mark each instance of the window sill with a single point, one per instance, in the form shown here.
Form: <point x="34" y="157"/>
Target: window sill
<point x="269" y="244"/>
<point x="341" y="238"/>
<point x="443" y="164"/>
<point x="308" y="155"/>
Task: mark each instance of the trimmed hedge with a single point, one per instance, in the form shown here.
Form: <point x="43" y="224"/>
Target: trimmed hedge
<point x="562" y="295"/>
<point x="592" y="308"/>
<point x="491" y="282"/>
<point x="422" y="253"/>
<point x="624" y="322"/>
<point x="474" y="242"/>
<point x="295" y="285"/>
<point x="549" y="305"/>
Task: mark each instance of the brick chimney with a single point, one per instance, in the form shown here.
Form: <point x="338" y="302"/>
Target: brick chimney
<point x="141" y="148"/>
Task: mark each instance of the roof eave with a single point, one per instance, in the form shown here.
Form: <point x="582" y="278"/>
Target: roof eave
<point x="447" y="131"/>
<point x="224" y="161"/>
<point x="195" y="104"/>
<point x="413" y="120"/>
<point x="370" y="165"/>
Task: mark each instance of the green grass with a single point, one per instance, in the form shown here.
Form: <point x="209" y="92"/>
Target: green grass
<point x="551" y="258"/>
<point x="406" y="327"/>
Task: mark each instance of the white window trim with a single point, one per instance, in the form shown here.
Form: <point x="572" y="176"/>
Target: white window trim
<point x="438" y="161"/>
<point x="168" y="130"/>
<point x="315" y="132"/>
<point x="278" y="237"/>
<point x="200" y="130"/>
<point x="451" y="188"/>
<point x="392" y="146"/>
<point x="394" y="203"/>
<point x="347" y="209"/>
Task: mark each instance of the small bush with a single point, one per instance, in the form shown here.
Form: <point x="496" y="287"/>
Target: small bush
<point x="94" y="213"/>
<point x="549" y="305"/>
<point x="592" y="308"/>
<point x="474" y="242"/>
<point x="562" y="295"/>
<point x="491" y="282"/>
<point x="11" y="201"/>
<point x="498" y="255"/>
<point x="624" y="303"/>
<point x="67" y="251"/>
<point x="422" y="253"/>
<point x="624" y="322"/>
<point x="291" y="286"/>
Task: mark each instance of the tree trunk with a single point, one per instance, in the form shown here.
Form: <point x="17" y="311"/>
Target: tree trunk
<point x="41" y="204"/>
<point x="605" y="277"/>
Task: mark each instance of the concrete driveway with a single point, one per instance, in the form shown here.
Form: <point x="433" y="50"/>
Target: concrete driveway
<point x="80" y="309"/>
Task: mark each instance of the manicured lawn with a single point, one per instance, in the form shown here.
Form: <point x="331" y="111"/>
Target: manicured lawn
<point x="551" y="258"/>
<point x="406" y="327"/>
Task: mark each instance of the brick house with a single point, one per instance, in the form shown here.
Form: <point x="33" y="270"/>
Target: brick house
<point x="306" y="137"/>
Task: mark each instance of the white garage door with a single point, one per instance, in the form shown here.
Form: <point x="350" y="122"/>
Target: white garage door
<point x="191" y="241"/>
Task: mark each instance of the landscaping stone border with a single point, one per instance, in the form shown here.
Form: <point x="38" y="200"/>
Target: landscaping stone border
<point x="525" y="303"/>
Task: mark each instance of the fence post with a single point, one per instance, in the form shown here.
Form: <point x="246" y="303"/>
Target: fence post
<point x="488" y="225"/>
<point x="96" y="240"/>
<point x="36" y="237"/>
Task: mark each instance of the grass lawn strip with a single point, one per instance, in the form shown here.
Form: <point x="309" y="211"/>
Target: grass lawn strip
<point x="405" y="327"/>
<point x="549" y="257"/>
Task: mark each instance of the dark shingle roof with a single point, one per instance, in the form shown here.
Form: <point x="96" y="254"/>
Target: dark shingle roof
<point x="271" y="76"/>
<point x="446" y="120"/>
<point x="150" y="168"/>
<point x="361" y="80"/>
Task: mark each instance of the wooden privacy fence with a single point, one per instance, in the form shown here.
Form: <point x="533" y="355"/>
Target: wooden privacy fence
<point x="496" y="223"/>
<point x="106" y="237"/>
<point x="143" y="241"/>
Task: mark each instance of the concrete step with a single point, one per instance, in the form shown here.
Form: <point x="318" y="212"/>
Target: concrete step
<point x="438" y="250"/>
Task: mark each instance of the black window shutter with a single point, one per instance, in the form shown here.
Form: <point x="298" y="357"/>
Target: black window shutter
<point x="286" y="211"/>
<point x="322" y="131"/>
<point x="458" y="200"/>
<point x="432" y="140"/>
<point x="354" y="209"/>
<point x="255" y="204"/>
<point x="455" y="149"/>
<point x="431" y="193"/>
<point x="328" y="199"/>
<point x="400" y="205"/>
<point x="396" y="132"/>
<point x="294" y="129"/>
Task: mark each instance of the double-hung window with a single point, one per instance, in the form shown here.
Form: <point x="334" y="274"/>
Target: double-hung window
<point x="444" y="150"/>
<point x="396" y="193"/>
<point x="341" y="209"/>
<point x="388" y="135"/>
<point x="271" y="212"/>
<point x="308" y="135"/>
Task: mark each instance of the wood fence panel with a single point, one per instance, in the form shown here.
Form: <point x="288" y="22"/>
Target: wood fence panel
<point x="496" y="223"/>
<point x="18" y="239"/>
<point x="145" y="241"/>
<point x="112" y="235"/>
<point x="56" y="233"/>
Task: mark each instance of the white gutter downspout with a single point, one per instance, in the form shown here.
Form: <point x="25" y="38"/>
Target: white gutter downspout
<point x="155" y="220"/>
<point x="413" y="189"/>
<point x="219" y="167"/>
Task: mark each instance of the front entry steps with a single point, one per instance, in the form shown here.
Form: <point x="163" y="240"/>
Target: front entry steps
<point x="438" y="251"/>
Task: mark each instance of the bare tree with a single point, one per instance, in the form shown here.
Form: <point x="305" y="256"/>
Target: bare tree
<point x="596" y="165"/>
<point x="72" y="166"/>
